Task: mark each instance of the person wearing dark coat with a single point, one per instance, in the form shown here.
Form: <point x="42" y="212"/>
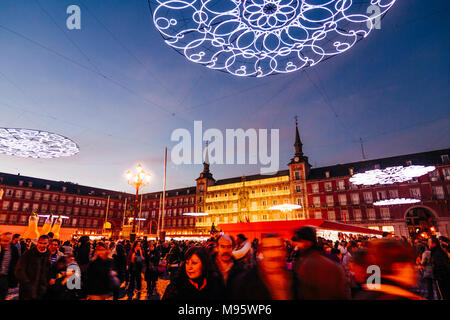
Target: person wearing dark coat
<point x="195" y="280"/>
<point x="101" y="277"/>
<point x="225" y="265"/>
<point x="9" y="255"/>
<point x="441" y="268"/>
<point x="151" y="268"/>
<point x="32" y="271"/>
<point x="120" y="262"/>
<point x="317" y="277"/>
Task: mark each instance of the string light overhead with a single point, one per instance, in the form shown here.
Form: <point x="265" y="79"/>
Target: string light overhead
<point x="397" y="201"/>
<point x="390" y="175"/>
<point x="27" y="143"/>
<point x="256" y="38"/>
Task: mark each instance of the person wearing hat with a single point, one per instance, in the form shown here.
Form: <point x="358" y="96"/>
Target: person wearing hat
<point x="243" y="252"/>
<point x="317" y="277"/>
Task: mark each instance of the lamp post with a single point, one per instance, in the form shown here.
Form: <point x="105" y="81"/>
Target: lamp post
<point x="138" y="180"/>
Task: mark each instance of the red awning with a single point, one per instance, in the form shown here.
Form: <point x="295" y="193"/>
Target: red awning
<point x="286" y="228"/>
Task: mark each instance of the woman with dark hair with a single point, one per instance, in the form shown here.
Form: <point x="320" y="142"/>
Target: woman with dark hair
<point x="195" y="279"/>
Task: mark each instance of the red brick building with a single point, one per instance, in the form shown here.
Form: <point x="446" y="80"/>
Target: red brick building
<point x="324" y="192"/>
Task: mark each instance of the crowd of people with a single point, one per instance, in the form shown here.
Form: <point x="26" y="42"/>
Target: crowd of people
<point x="305" y="267"/>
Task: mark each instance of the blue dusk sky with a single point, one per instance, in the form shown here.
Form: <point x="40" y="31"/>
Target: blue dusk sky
<point x="119" y="91"/>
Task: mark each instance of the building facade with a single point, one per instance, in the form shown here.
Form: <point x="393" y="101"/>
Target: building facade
<point x="323" y="193"/>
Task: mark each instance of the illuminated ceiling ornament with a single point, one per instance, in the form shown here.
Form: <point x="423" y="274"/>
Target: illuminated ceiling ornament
<point x="285" y="207"/>
<point x="256" y="38"/>
<point x="397" y="201"/>
<point x="195" y="214"/>
<point x="390" y="175"/>
<point x="29" y="143"/>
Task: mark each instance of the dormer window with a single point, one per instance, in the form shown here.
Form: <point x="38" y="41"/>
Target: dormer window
<point x="64" y="189"/>
<point x="444" y="158"/>
<point x="408" y="162"/>
<point x="47" y="187"/>
<point x="377" y="166"/>
<point x="20" y="183"/>
<point x="350" y="171"/>
<point x="30" y="184"/>
<point x="327" y="174"/>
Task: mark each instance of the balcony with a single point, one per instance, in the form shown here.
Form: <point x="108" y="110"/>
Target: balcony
<point x="218" y="199"/>
<point x="270" y="194"/>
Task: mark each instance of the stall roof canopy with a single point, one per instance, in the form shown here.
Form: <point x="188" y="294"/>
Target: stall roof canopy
<point x="291" y="226"/>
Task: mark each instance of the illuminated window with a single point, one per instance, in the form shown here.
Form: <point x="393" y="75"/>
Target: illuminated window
<point x="371" y="215"/>
<point x="415" y="193"/>
<point x="385" y="213"/>
<point x="331" y="215"/>
<point x="355" y="198"/>
<point x="357" y="215"/>
<point x="315" y="188"/>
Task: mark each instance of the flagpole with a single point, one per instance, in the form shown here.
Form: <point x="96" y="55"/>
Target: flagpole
<point x="106" y="217"/>
<point x="124" y="212"/>
<point x="164" y="191"/>
<point x="140" y="213"/>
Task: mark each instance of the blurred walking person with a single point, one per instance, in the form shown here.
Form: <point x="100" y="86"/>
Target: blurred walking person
<point x="397" y="271"/>
<point x="317" y="277"/>
<point x="269" y="279"/>
<point x="101" y="278"/>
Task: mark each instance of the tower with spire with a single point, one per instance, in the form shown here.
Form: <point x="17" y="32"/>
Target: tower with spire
<point x="203" y="182"/>
<point x="299" y="168"/>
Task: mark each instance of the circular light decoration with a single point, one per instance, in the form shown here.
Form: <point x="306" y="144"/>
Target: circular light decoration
<point x="256" y="38"/>
<point x="195" y="214"/>
<point x="285" y="207"/>
<point x="29" y="143"/>
<point x="392" y="202"/>
<point x="390" y="175"/>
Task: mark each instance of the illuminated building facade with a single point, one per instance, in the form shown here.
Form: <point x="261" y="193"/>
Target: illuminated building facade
<point x="324" y="192"/>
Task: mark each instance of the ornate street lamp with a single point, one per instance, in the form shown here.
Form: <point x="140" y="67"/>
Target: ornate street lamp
<point x="138" y="180"/>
